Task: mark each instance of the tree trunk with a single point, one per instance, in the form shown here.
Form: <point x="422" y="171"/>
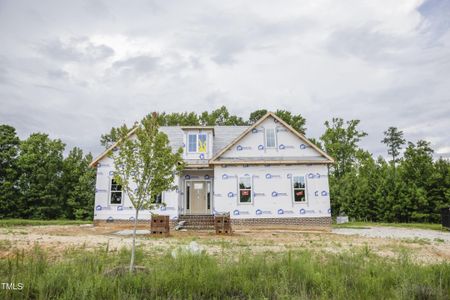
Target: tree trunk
<point x="133" y="247"/>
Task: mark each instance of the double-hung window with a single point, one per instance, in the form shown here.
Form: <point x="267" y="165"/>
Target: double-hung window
<point x="192" y="143"/>
<point x="299" y="189"/>
<point x="271" y="139"/>
<point x="116" y="193"/>
<point x="245" y="189"/>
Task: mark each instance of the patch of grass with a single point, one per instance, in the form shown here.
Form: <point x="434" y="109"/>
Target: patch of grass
<point x="5" y="245"/>
<point x="24" y="222"/>
<point x="416" y="240"/>
<point x="366" y="225"/>
<point x="360" y="274"/>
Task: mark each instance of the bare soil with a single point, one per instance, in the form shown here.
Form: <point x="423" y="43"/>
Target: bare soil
<point x="58" y="239"/>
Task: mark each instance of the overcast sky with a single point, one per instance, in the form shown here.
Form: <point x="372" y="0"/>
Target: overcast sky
<point x="74" y="69"/>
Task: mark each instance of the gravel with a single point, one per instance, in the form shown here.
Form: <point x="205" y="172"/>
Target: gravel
<point x="395" y="233"/>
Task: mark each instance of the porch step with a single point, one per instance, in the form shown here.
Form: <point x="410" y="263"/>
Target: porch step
<point x="198" y="222"/>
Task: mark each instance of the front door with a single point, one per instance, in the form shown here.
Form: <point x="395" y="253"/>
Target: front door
<point x="198" y="197"/>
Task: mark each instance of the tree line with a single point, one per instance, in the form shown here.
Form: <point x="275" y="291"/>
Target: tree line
<point x="36" y="181"/>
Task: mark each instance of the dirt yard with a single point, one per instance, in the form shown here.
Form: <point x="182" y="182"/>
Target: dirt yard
<point x="426" y="247"/>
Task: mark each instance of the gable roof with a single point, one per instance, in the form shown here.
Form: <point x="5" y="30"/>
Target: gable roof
<point x="226" y="137"/>
<point x="215" y="158"/>
<point x="223" y="136"/>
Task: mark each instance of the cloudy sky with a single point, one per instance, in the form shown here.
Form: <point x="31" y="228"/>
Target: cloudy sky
<point x="74" y="69"/>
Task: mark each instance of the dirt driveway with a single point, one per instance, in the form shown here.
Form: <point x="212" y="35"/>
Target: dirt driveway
<point x="424" y="246"/>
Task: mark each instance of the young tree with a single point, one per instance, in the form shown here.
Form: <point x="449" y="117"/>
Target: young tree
<point x="393" y="138"/>
<point x="145" y="166"/>
<point x="9" y="151"/>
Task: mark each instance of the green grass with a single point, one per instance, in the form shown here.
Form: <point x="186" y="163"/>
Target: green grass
<point x="24" y="222"/>
<point x="290" y="275"/>
<point x="364" y="225"/>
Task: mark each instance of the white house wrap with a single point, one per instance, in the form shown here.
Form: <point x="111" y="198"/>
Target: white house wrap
<point x="265" y="173"/>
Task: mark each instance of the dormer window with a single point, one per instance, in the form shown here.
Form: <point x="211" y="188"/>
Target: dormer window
<point x="271" y="138"/>
<point x="197" y="142"/>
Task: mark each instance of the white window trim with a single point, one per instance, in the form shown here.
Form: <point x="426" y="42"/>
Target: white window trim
<point x="275" y="137"/>
<point x="197" y="134"/>
<point x="293" y="189"/>
<point x="111" y="191"/>
<point x="239" y="190"/>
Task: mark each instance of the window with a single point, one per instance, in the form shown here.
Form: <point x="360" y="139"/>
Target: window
<point x="116" y="193"/>
<point x="245" y="190"/>
<point x="197" y="143"/>
<point x="271" y="138"/>
<point x="202" y="143"/>
<point x="157" y="199"/>
<point x="192" y="143"/>
<point x="188" y="194"/>
<point x="299" y="188"/>
<point x="208" y="197"/>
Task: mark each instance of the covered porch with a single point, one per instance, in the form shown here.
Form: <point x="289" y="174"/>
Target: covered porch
<point x="197" y="190"/>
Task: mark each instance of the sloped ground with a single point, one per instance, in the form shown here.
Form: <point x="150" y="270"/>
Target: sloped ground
<point x="424" y="246"/>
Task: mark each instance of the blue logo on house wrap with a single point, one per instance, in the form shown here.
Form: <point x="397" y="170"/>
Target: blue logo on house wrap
<point x="98" y="207"/>
<point x="270" y="176"/>
<point x="224" y="176"/>
<point x="231" y="195"/>
<point x="329" y="210"/>
<point x="236" y="212"/>
<point x="282" y="147"/>
<point x="206" y="176"/>
<point x="302" y="146"/>
<point x="324" y="193"/>
<point x="254" y="130"/>
<point x="110" y="219"/>
<point x="131" y="218"/>
<point x="258" y="211"/>
<point x="289" y="176"/>
<point x="240" y="148"/>
<point x="111" y="173"/>
<point x="280" y="211"/>
<point x="162" y="208"/>
<point x="302" y="211"/>
<point x="277" y="194"/>
<point x="187" y="177"/>
<point x="120" y="207"/>
<point x="260" y="147"/>
<point x="202" y="156"/>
